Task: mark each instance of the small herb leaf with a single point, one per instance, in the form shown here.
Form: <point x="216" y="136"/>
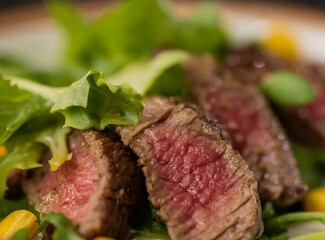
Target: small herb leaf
<point x="287" y="89"/>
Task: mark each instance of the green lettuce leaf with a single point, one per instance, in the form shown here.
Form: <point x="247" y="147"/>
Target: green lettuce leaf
<point x="279" y="224"/>
<point x="17" y="107"/>
<point x="202" y="32"/>
<point x="92" y="103"/>
<point x="171" y="83"/>
<point x="134" y="30"/>
<point x="23" y="156"/>
<point x="310" y="163"/>
<point x="63" y="227"/>
<point x="8" y="206"/>
<point x="26" y="147"/>
<point x="287" y="89"/>
<point x="311" y="236"/>
<point x="142" y="75"/>
<point x="146" y="224"/>
<point x="21" y="234"/>
<point x="56" y="140"/>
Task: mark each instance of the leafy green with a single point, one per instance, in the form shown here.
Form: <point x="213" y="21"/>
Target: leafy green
<point x="9" y="206"/>
<point x="276" y="226"/>
<point x="67" y="16"/>
<point x="63" y="228"/>
<point x="46" y="92"/>
<point x="141" y="76"/>
<point x="23" y="156"/>
<point x="311" y="236"/>
<point x="26" y="146"/>
<point x="280" y="223"/>
<point x="171" y="83"/>
<point x="149" y="236"/>
<point x="202" y="32"/>
<point x="93" y="103"/>
<point x="133" y="31"/>
<point x="146" y="224"/>
<point x="10" y="66"/>
<point x="56" y="140"/>
<point x="21" y="234"/>
<point x="311" y="164"/>
<point x="17" y="107"/>
<point x="287" y="89"/>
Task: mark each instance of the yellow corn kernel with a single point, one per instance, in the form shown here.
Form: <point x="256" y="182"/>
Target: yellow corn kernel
<point x="103" y="238"/>
<point x="3" y="151"/>
<point x="17" y="220"/>
<point x="315" y="200"/>
<point x="281" y="42"/>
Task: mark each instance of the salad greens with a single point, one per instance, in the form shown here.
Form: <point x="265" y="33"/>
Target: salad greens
<point x="79" y="103"/>
<point x="26" y="133"/>
<point x="311" y="236"/>
<point x="63" y="228"/>
<point x="9" y="206"/>
<point x="287" y="89"/>
<point x="133" y="31"/>
<point x="17" y="107"/>
<point x="141" y="75"/>
<point x="134" y="45"/>
<point x="276" y="226"/>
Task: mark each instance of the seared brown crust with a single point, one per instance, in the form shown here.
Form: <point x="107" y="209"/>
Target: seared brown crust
<point x="236" y="213"/>
<point x="305" y="123"/>
<point x="252" y="128"/>
<point x="118" y="188"/>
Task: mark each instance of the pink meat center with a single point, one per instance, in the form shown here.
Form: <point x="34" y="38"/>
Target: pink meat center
<point x="248" y="130"/>
<point x="68" y="189"/>
<point x="194" y="175"/>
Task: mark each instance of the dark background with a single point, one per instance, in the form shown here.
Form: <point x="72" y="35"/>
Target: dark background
<point x="319" y="4"/>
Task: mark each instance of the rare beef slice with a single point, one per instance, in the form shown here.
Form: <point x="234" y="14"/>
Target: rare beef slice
<point x="201" y="186"/>
<point x="95" y="189"/>
<point x="305" y="123"/>
<point x="252" y="128"/>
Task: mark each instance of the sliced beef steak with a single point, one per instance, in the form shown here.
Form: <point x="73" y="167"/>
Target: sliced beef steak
<point x="95" y="189"/>
<point x="252" y="128"/>
<point x="250" y="65"/>
<point x="306" y="123"/>
<point x="201" y="187"/>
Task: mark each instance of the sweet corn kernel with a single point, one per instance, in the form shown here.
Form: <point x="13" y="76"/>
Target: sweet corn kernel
<point x="3" y="151"/>
<point x="280" y="41"/>
<point x="315" y="200"/>
<point x="18" y="220"/>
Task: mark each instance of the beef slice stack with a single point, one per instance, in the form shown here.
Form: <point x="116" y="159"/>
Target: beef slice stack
<point x="252" y="127"/>
<point x="201" y="187"/>
<point x="305" y="123"/>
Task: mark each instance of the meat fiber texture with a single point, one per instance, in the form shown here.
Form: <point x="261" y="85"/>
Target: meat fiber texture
<point x="95" y="189"/>
<point x="306" y="123"/>
<point x="201" y="187"/>
<point x="252" y="127"/>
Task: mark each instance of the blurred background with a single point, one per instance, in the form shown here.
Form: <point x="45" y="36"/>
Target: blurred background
<point x="310" y="3"/>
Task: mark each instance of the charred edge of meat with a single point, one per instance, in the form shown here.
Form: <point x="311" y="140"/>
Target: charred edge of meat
<point x="171" y="123"/>
<point x="218" y="91"/>
<point x="116" y="185"/>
